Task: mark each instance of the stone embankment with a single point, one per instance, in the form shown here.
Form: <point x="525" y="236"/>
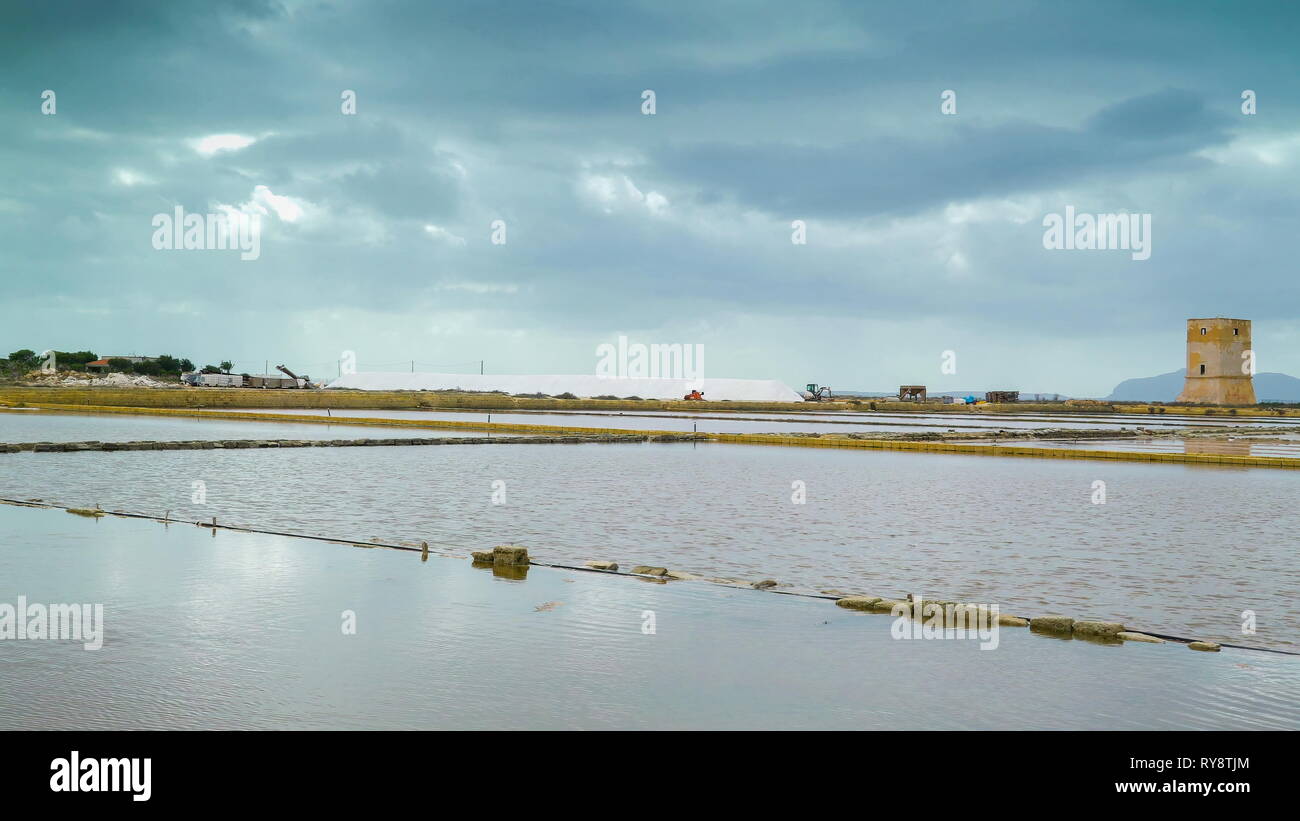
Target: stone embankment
<point x="236" y="444"/>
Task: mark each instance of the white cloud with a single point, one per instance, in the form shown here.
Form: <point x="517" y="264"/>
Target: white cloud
<point x="127" y="177"/>
<point x="207" y="146"/>
<point x="265" y="202"/>
<point x="613" y="193"/>
<point x="1002" y="210"/>
<point x="1269" y="150"/>
<point x="443" y="235"/>
<point x="656" y="203"/>
<point x="286" y="208"/>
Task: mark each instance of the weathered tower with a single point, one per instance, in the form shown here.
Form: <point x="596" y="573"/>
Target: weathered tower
<point x="1219" y="365"/>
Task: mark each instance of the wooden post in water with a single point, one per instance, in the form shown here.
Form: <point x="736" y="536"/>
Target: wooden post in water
<point x="424" y="551"/>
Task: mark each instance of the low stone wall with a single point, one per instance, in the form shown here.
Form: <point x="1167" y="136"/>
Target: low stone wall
<point x="236" y="444"/>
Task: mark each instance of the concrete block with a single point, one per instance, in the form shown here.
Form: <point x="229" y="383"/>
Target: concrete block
<point x="646" y="570"/>
<point x="603" y="565"/>
<point x="887" y="605"/>
<point x="510" y="554"/>
<point x="1143" y="637"/>
<point x="1058" y="625"/>
<point x="1106" y="629"/>
<point x="1204" y="646"/>
<point x="857" y="602"/>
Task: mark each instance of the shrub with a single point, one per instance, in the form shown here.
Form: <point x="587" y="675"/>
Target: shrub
<point x="74" y="360"/>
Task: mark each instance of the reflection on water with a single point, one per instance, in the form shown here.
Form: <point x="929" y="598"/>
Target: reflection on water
<point x="1218" y="447"/>
<point x="1264" y="448"/>
<point x="1176" y="549"/>
<point x="245" y="631"/>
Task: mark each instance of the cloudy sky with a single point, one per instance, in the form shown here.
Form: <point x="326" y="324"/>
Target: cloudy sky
<point x="924" y="229"/>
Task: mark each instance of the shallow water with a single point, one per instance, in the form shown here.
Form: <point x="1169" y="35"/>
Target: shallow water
<point x="1216" y="446"/>
<point x="746" y="422"/>
<point x="243" y="631"/>
<point x="37" y="426"/>
<point x="1182" y="550"/>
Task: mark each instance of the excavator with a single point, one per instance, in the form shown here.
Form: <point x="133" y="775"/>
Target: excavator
<point x="817" y="394"/>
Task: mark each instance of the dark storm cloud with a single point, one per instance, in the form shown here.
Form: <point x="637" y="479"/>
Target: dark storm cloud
<point x="903" y="174"/>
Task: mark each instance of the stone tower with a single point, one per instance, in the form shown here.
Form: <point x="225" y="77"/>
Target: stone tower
<point x="1217" y="371"/>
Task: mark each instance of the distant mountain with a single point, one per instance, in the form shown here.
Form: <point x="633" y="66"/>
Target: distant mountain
<point x="1269" y="387"/>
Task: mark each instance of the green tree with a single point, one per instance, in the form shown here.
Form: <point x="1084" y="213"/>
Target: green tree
<point x="120" y="365"/>
<point x="24" y="360"/>
<point x="227" y="365"/>
<point x="74" y="360"/>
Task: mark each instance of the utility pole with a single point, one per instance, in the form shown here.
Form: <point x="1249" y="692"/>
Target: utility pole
<point x="412" y="366"/>
<point x="480" y="367"/>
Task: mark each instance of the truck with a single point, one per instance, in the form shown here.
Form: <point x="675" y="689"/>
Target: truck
<point x="213" y="380"/>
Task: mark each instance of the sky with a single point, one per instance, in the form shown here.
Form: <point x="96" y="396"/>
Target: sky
<point x="922" y="212"/>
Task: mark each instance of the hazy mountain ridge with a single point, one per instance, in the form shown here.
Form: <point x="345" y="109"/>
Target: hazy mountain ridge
<point x="1269" y="387"/>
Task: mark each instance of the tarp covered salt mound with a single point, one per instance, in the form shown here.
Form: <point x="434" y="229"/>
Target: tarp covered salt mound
<point x="586" y="387"/>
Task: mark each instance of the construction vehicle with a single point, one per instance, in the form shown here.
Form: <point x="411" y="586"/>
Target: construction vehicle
<point x="817" y="394"/>
<point x="298" y="381"/>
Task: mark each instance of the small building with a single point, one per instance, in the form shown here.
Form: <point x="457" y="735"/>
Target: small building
<point x="101" y="365"/>
<point x="911" y="393"/>
<point x="998" y="397"/>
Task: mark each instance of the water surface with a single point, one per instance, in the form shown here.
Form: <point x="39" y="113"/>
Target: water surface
<point x="38" y="426"/>
<point x="244" y="631"/>
<point x="1179" y="549"/>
